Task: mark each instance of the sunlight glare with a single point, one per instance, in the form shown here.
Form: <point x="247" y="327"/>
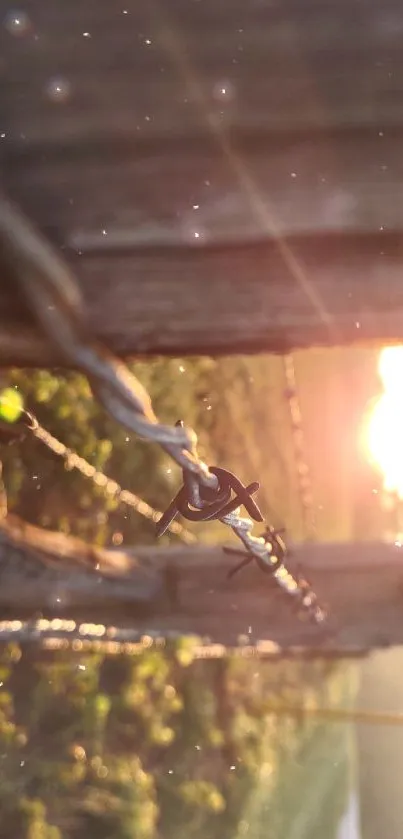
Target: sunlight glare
<point x="384" y="432"/>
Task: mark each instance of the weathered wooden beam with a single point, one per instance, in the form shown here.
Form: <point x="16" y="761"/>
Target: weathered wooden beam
<point x="42" y="569"/>
<point x="220" y="181"/>
<point x="361" y="584"/>
<point x="95" y="70"/>
<point x="228" y="301"/>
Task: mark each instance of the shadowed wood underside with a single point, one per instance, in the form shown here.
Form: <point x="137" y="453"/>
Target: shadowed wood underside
<point x="185" y="590"/>
<point x="223" y="178"/>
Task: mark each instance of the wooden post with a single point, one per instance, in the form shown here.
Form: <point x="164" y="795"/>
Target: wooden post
<point x="361" y="585"/>
<point x="233" y="184"/>
<point x="228" y="183"/>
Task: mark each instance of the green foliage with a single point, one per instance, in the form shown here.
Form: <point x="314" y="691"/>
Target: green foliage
<point x="117" y="746"/>
<point x="42" y="491"/>
<point x="238" y="407"/>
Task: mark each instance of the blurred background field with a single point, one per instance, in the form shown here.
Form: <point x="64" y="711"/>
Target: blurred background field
<point x="240" y="410"/>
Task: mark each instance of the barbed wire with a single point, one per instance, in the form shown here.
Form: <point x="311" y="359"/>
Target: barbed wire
<point x="54" y="297"/>
<point x="111" y="488"/>
<point x="29" y="423"/>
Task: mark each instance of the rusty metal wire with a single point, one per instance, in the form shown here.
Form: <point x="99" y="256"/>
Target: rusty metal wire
<point x="54" y="298"/>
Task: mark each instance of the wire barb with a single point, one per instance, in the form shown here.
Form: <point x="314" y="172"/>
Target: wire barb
<point x="53" y="295"/>
<point x="269" y="550"/>
<point x="272" y="561"/>
<point x="278" y="552"/>
<point x="211" y="504"/>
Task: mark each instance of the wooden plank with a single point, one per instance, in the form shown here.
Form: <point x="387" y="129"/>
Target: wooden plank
<point x="158" y="194"/>
<point x="82" y="70"/>
<point x="117" y="118"/>
<point x="361" y="584"/>
<point x="46" y="569"/>
<point x="220" y="180"/>
<point x="230" y="300"/>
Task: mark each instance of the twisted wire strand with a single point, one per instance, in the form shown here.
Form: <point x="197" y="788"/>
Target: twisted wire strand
<point x="55" y="299"/>
<point x="29" y="423"/>
<point x="110" y="487"/>
<point x="261" y="549"/>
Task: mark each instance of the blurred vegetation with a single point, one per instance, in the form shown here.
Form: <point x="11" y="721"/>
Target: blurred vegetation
<point x="161" y="745"/>
<point x="42" y="491"/>
<point x="239" y="409"/>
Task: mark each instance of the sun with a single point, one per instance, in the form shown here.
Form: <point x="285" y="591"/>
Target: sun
<point x="384" y="432"/>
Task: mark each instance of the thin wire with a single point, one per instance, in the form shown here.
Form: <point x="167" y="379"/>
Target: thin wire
<point x="59" y="633"/>
<point x="359" y="715"/>
<point x="29" y="423"/>
<point x="262" y="550"/>
<point x="110" y="487"/>
<point x="55" y="299"/>
<point x="56" y="633"/>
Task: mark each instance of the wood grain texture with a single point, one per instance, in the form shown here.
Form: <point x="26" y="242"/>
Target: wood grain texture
<point x="222" y="178"/>
<point x="286" y="65"/>
<point x="228" y="301"/>
<point x="45" y="569"/>
<point x="361" y="585"/>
